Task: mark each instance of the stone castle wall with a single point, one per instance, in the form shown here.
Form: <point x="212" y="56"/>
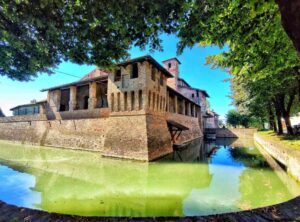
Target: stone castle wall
<point x="191" y="122"/>
<point x="133" y="126"/>
<point x="141" y="136"/>
<point x="36" y="117"/>
<point x="76" y="134"/>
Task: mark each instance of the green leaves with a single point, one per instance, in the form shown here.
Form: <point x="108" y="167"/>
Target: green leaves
<point x="261" y="58"/>
<point x="35" y="36"/>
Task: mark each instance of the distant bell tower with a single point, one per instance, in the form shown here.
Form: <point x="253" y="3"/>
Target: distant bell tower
<point x="172" y="65"/>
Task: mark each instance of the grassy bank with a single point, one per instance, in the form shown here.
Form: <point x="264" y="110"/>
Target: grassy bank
<point x="292" y="142"/>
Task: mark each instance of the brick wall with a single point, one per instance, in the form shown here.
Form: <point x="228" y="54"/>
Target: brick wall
<point x="36" y="117"/>
<point x="77" y="134"/>
<point x="191" y="122"/>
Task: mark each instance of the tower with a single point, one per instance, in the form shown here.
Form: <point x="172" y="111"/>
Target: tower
<point x="137" y="97"/>
<point x="172" y="65"/>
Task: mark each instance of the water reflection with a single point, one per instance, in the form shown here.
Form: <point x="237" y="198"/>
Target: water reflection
<point x="204" y="178"/>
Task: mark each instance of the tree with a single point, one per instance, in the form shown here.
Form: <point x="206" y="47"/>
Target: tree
<point x="35" y="36"/>
<point x="233" y="118"/>
<point x="261" y="57"/>
<point x="291" y="19"/>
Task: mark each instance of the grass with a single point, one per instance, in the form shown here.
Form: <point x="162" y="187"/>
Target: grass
<point x="293" y="142"/>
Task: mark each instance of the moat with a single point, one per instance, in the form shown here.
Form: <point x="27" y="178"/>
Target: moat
<point x="206" y="178"/>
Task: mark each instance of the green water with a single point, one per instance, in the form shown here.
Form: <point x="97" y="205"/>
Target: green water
<point x="204" y="179"/>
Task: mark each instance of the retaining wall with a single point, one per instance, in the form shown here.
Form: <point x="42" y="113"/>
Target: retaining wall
<point x="141" y="136"/>
<point x="191" y="122"/>
<point x="235" y="132"/>
<point x="76" y="134"/>
<point x="23" y="118"/>
<point x="288" y="157"/>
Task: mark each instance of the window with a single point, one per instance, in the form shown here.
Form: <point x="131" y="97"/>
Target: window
<point x="149" y="99"/>
<point x="157" y="103"/>
<point x="153" y="71"/>
<point x="140" y="99"/>
<point x="161" y="80"/>
<point x="132" y="100"/>
<point x="125" y="101"/>
<point x="153" y="103"/>
<point x="118" y="75"/>
<point x="169" y="65"/>
<point x="135" y="71"/>
<point x="193" y="95"/>
<point x="119" y="102"/>
<point x="112" y="102"/>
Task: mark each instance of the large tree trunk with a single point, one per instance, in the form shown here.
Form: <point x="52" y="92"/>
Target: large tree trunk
<point x="285" y="108"/>
<point x="279" y="124"/>
<point x="271" y="119"/>
<point x="278" y="118"/>
<point x="290" y="17"/>
<point x="286" y="117"/>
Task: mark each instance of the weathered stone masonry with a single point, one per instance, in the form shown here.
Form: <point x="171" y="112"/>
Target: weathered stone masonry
<point x="122" y="114"/>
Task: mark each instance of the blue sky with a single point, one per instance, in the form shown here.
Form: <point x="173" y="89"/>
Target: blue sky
<point x="192" y="69"/>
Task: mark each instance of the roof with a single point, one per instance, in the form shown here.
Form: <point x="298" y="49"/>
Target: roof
<point x="210" y="114"/>
<point x="172" y="59"/>
<point x="149" y="59"/>
<point x="181" y="95"/>
<point x="29" y="104"/>
<point x="95" y="73"/>
<point x="216" y="114"/>
<point x="78" y="83"/>
<point x="200" y="90"/>
<point x="173" y="124"/>
<point x="184" y="82"/>
<point x="102" y="75"/>
<point x="204" y="92"/>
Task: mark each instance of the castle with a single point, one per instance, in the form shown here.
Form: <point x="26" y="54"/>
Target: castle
<point x="138" y="111"/>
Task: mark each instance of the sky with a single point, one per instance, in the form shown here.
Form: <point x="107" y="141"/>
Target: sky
<point x="192" y="69"/>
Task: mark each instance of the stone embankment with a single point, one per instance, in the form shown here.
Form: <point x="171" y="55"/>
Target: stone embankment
<point x="288" y="211"/>
<point x="234" y="132"/>
<point x="288" y="157"/>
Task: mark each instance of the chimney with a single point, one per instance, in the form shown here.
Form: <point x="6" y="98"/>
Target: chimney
<point x="172" y="65"/>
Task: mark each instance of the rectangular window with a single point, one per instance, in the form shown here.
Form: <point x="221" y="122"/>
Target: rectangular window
<point x="132" y="100"/>
<point x="153" y="71"/>
<point x="149" y="100"/>
<point x="153" y="103"/>
<point x="157" y="101"/>
<point x="161" y="80"/>
<point x="112" y="102"/>
<point x="135" y="71"/>
<point x="192" y="110"/>
<point x="140" y="99"/>
<point x="119" y="102"/>
<point x="125" y="101"/>
<point x="118" y="75"/>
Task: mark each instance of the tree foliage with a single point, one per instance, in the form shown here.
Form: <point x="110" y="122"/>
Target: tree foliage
<point x="263" y="64"/>
<point x="36" y="36"/>
<point x="235" y="118"/>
